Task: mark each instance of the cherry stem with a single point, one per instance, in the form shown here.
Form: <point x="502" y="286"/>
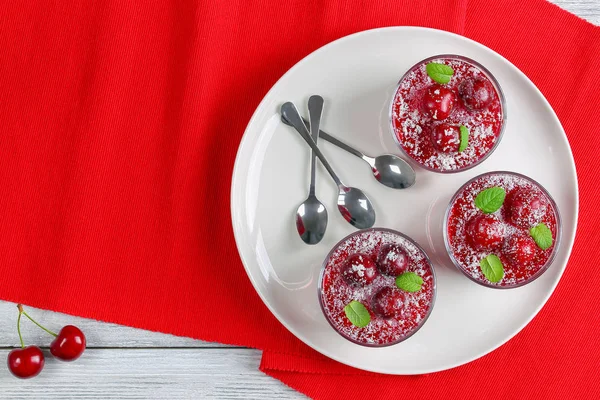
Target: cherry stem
<point x="19" y="330"/>
<point x="20" y="307"/>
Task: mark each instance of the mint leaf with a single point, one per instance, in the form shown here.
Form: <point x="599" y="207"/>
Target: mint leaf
<point x="441" y="73"/>
<point x="464" y="138"/>
<point x="492" y="268"/>
<point x="542" y="236"/>
<point x="357" y="314"/>
<point x="490" y="200"/>
<point x="409" y="282"/>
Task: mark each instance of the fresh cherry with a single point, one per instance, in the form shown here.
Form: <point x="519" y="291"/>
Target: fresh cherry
<point x="388" y="302"/>
<point x="476" y="93"/>
<point x="359" y="269"/>
<point x="392" y="260"/>
<point x="526" y="208"/>
<point x="438" y="101"/>
<point x="520" y="249"/>
<point x="26" y="362"/>
<point x="69" y="344"/>
<point x="485" y="232"/>
<point x="446" y="138"/>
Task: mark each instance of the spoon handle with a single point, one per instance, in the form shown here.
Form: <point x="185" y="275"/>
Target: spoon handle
<point x="315" y="110"/>
<point x="328" y="138"/>
<point x="341" y="144"/>
<point x="289" y="111"/>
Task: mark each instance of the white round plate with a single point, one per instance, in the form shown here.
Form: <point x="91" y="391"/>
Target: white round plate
<point x="357" y="75"/>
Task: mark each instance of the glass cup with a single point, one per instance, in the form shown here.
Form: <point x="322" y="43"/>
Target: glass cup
<point x="496" y="86"/>
<point x="389" y="237"/>
<point x="463" y="269"/>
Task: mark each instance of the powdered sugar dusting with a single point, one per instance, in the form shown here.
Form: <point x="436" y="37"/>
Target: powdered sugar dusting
<point x="463" y="210"/>
<point x="337" y="293"/>
<point x="413" y="128"/>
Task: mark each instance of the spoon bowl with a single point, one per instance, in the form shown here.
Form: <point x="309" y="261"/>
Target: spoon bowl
<point x="356" y="208"/>
<point x="393" y="172"/>
<point x="389" y="169"/>
<point x="311" y="220"/>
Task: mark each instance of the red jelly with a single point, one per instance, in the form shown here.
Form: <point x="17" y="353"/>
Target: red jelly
<point x="471" y="98"/>
<point x="471" y="235"/>
<point x="395" y="314"/>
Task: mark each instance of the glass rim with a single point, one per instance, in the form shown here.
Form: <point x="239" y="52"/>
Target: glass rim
<point x="322" y="273"/>
<point x="557" y="241"/>
<point x="492" y="79"/>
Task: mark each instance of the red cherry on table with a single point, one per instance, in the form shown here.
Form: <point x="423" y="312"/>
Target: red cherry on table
<point x="446" y="138"/>
<point x="392" y="260"/>
<point x="485" y="232"/>
<point x="438" y="101"/>
<point x="520" y="250"/>
<point x="359" y="269"/>
<point x="69" y="344"/>
<point x="389" y="302"/>
<point x="26" y="362"/>
<point x="526" y="208"/>
<point x="476" y="93"/>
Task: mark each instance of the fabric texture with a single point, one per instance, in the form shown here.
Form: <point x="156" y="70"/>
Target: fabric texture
<point x="120" y="122"/>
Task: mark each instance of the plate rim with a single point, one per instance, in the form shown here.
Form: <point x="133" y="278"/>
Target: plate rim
<point x="569" y="239"/>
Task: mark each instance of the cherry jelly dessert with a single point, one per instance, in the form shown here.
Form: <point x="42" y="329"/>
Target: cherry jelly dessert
<point x="448" y="113"/>
<point x="377" y="287"/>
<point x="502" y="229"/>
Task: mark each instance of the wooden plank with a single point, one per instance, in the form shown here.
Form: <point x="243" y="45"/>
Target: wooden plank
<point x="586" y="9"/>
<point x="98" y="334"/>
<point x="150" y="374"/>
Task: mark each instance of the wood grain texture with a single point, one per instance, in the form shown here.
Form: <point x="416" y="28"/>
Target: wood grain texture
<point x="127" y="363"/>
<point x="586" y="9"/>
<point x="149" y="374"/>
<point x="98" y="334"/>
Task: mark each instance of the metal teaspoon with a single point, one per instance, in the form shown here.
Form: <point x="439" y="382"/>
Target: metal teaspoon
<point x="311" y="217"/>
<point x="353" y="204"/>
<point x="389" y="169"/>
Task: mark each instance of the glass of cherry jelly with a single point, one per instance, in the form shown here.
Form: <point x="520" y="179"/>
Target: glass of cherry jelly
<point x="448" y="113"/>
<point x="377" y="287"/>
<point x="502" y="229"/>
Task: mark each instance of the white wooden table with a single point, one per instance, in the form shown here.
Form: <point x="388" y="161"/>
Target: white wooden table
<point x="127" y="363"/>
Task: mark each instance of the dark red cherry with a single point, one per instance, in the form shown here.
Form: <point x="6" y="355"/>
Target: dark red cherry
<point x="525" y="208"/>
<point x="476" y="93"/>
<point x="446" y="138"/>
<point x="392" y="260"/>
<point x="485" y="232"/>
<point x="389" y="302"/>
<point x="69" y="344"/>
<point x="520" y="249"/>
<point x="359" y="269"/>
<point x="26" y="362"/>
<point x="438" y="101"/>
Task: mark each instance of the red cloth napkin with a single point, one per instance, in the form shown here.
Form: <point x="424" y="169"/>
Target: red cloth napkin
<point x="119" y="125"/>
